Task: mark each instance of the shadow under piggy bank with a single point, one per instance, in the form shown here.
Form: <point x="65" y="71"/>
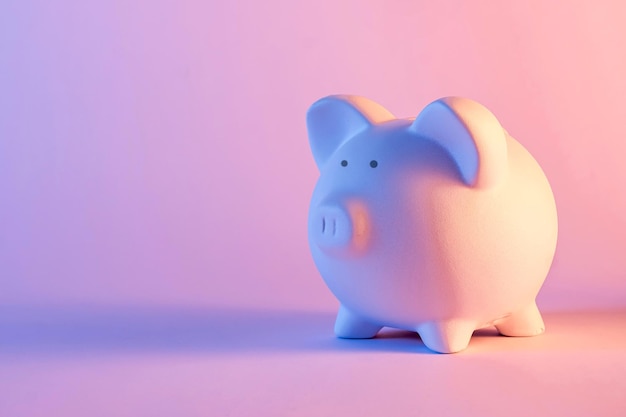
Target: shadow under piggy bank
<point x="65" y="331"/>
<point x="87" y="331"/>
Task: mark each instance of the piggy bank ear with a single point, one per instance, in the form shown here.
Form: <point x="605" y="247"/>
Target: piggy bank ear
<point x="470" y="134"/>
<point x="334" y="119"/>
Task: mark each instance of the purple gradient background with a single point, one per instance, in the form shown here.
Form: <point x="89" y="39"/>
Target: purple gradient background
<point x="155" y="152"/>
<point x="154" y="158"/>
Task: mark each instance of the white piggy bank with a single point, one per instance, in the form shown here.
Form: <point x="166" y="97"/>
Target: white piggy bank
<point x="441" y="224"/>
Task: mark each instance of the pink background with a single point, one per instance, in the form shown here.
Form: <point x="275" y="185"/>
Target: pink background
<point x="153" y="157"/>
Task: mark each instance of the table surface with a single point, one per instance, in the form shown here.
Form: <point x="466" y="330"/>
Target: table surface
<point x="244" y="362"/>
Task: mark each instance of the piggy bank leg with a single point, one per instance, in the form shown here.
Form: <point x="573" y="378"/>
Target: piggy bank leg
<point x="525" y="322"/>
<point x="446" y="336"/>
<point x="351" y="326"/>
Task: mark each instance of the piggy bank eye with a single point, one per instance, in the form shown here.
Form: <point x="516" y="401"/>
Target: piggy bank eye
<point x="374" y="163"/>
<point x="344" y="163"/>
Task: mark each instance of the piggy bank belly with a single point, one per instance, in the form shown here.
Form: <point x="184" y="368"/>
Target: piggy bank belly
<point x="494" y="247"/>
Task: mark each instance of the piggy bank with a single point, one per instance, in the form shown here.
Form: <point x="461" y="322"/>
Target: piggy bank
<point x="440" y="224"/>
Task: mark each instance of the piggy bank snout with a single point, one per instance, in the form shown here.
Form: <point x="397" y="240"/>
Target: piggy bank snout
<point x="346" y="228"/>
<point x="331" y="227"/>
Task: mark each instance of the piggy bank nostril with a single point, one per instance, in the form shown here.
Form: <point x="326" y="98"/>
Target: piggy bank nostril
<point x="329" y="225"/>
